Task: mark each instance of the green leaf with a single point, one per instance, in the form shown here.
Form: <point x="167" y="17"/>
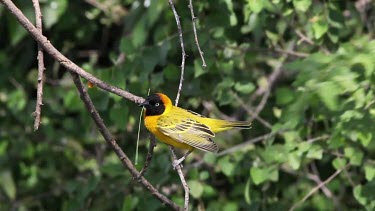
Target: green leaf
<point x="255" y="6"/>
<point x="328" y="92"/>
<point x="230" y="206"/>
<point x="369" y="171"/>
<point x="284" y="96"/>
<point x="52" y="11"/>
<point x="358" y="195"/>
<point x="302" y="5"/>
<point x="196" y="188"/>
<point x="130" y="202"/>
<point x="294" y="160"/>
<point x="339" y="163"/>
<point x="320" y="28"/>
<point x="17" y="100"/>
<point x="355" y="156"/>
<point x="315" y="152"/>
<point x="7" y="183"/>
<point x="260" y="175"/>
<point x="227" y="166"/>
<point x="246" y="88"/>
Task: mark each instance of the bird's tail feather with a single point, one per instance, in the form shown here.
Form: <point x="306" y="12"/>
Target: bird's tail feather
<point x="222" y="125"/>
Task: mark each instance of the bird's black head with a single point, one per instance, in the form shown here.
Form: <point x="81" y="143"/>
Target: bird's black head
<point x="154" y="105"/>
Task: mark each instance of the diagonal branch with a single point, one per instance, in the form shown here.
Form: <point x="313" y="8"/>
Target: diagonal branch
<point x="55" y="54"/>
<point x="316" y="188"/>
<point x="116" y="148"/>
<point x="40" y="57"/>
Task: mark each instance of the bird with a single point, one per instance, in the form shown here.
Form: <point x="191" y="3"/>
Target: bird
<point x="183" y="129"/>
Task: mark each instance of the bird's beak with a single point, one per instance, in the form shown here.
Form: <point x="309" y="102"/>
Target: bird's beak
<point x="144" y="103"/>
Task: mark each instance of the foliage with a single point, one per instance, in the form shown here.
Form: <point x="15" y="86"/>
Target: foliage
<point x="321" y="108"/>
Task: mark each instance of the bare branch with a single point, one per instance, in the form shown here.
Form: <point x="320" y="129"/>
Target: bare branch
<point x="40" y="57"/>
<point x="250" y="112"/>
<point x="116" y="148"/>
<point x="242" y="145"/>
<point x="174" y="157"/>
<point x="193" y="19"/>
<point x="182" y="178"/>
<point x="68" y="64"/>
<point x="182" y="49"/>
<point x="149" y="155"/>
<point x="316" y="188"/>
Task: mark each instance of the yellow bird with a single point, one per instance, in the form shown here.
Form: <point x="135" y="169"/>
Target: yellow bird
<point x="182" y="128"/>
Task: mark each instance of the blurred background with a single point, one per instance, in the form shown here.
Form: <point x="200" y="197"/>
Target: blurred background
<point x="301" y="70"/>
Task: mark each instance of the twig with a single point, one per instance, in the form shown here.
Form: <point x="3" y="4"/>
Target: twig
<point x="182" y="49"/>
<point x="316" y="188"/>
<point x="149" y="155"/>
<point x="293" y="53"/>
<point x="179" y="167"/>
<point x="315" y="177"/>
<point x="271" y="79"/>
<point x="40" y="57"/>
<point x="249" y="111"/>
<point x="182" y="178"/>
<point x="68" y="64"/>
<point x="304" y="38"/>
<point x="242" y="145"/>
<point x="116" y="148"/>
<point x="193" y="19"/>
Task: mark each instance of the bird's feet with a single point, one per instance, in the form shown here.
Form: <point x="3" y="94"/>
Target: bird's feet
<point x="178" y="163"/>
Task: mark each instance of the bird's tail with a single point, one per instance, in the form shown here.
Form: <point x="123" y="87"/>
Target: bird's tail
<point x="222" y="125"/>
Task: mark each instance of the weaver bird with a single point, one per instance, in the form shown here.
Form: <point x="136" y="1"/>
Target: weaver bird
<point x="182" y="128"/>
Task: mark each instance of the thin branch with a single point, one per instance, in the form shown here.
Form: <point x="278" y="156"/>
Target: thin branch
<point x="179" y="167"/>
<point x="316" y="178"/>
<point x="292" y="53"/>
<point x="304" y="38"/>
<point x="55" y="54"/>
<point x="242" y="145"/>
<point x="316" y="188"/>
<point x="40" y="57"/>
<point x="193" y="19"/>
<point x="250" y="112"/>
<point x="182" y="178"/>
<point x="271" y="79"/>
<point x="182" y="49"/>
<point x="149" y="155"/>
<point x="116" y="148"/>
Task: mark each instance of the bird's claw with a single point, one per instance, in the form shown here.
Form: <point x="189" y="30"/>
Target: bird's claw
<point x="177" y="163"/>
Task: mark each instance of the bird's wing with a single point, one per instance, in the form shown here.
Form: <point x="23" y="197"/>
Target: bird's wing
<point x="188" y="131"/>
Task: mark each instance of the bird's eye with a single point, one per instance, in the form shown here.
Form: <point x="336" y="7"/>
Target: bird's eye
<point x="156" y="104"/>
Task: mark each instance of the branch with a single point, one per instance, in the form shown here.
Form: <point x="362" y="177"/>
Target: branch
<point x="182" y="178"/>
<point x="316" y="188"/>
<point x="193" y="19"/>
<point x="116" y="148"/>
<point x="182" y="49"/>
<point x="40" y="58"/>
<point x="242" y="145"/>
<point x="178" y="167"/>
<point x="149" y="155"/>
<point x="250" y="112"/>
<point x="55" y="54"/>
